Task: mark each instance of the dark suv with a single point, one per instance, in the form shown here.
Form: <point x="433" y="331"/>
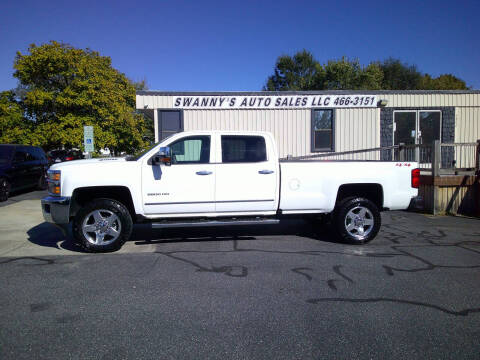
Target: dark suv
<point x="21" y="167"/>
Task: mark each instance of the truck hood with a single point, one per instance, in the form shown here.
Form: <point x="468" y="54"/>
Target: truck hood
<point x="85" y="162"/>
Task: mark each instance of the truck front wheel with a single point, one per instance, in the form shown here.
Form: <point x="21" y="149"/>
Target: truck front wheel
<point x="356" y="220"/>
<point x="103" y="225"/>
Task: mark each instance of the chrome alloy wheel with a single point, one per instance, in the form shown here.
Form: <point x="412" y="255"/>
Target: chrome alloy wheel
<point x="101" y="227"/>
<point x="359" y="222"/>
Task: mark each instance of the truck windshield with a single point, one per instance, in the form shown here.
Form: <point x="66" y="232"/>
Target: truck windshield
<point x="5" y="154"/>
<point x="137" y="156"/>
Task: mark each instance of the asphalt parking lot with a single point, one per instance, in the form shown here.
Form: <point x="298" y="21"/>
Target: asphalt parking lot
<point x="271" y="292"/>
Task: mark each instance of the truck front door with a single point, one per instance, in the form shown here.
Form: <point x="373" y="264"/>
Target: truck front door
<point x="187" y="185"/>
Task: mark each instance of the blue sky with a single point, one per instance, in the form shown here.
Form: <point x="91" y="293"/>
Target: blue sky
<point x="228" y="45"/>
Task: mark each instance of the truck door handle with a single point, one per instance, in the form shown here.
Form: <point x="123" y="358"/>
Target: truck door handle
<point x="203" y="173"/>
<point x="264" y="172"/>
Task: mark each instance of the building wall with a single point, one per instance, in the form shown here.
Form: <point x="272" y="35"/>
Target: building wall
<point x="354" y="128"/>
<point x="291" y="128"/>
<point x="358" y="128"/>
<point x="467" y="124"/>
<point x="467" y="110"/>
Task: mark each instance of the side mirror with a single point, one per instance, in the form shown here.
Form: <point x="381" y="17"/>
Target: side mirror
<point x="163" y="157"/>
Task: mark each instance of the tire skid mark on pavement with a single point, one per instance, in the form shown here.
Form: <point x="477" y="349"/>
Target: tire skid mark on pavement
<point x="41" y="260"/>
<point x="463" y="312"/>
<point x="431" y="240"/>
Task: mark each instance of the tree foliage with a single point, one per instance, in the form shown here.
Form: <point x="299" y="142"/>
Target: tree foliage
<point x="300" y="72"/>
<point x="62" y="88"/>
<point x="443" y="82"/>
<point x="303" y="72"/>
<point x="345" y="74"/>
<point x="149" y="131"/>
<point x="13" y="126"/>
<point x="399" y="76"/>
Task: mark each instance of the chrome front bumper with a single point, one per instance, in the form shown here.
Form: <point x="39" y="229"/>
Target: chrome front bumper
<point x="56" y="209"/>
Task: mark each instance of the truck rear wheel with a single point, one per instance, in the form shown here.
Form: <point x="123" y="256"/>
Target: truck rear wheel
<point x="102" y="225"/>
<point x="356" y="220"/>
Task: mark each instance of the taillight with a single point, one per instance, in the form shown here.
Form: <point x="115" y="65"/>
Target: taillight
<point x="68" y="158"/>
<point x="416" y="178"/>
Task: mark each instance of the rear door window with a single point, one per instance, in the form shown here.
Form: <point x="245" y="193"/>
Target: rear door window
<point x="236" y="148"/>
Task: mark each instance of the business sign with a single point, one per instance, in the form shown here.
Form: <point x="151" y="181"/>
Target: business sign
<point x="88" y="138"/>
<point x="275" y="102"/>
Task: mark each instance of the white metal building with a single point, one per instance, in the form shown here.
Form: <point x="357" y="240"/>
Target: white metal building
<point x="305" y="123"/>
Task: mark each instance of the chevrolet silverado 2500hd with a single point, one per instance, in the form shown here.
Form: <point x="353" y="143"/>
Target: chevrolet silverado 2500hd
<point x="221" y="178"/>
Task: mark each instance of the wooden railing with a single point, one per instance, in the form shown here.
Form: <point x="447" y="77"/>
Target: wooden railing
<point x="437" y="158"/>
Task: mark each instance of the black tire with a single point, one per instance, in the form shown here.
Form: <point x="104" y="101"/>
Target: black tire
<point x="107" y="209"/>
<point x="356" y="220"/>
<point x="42" y="183"/>
<point x="4" y="189"/>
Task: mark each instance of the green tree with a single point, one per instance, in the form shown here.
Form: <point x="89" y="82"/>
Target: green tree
<point x="443" y="82"/>
<point x="345" y="74"/>
<point x="341" y="74"/>
<point x="399" y="76"/>
<point x="13" y="126"/>
<point x="371" y="77"/>
<point x="65" y="88"/>
<point x="303" y="72"/>
<point x="300" y="72"/>
<point x="149" y="132"/>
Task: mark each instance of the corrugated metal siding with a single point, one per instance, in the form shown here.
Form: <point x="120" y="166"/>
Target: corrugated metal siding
<point x="467" y="124"/>
<point x="394" y="100"/>
<point x="425" y="100"/>
<point x="291" y="128"/>
<point x="354" y="128"/>
<point x="154" y="102"/>
<point x="357" y="129"/>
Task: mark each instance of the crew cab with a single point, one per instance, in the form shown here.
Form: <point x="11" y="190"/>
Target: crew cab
<point x="215" y="178"/>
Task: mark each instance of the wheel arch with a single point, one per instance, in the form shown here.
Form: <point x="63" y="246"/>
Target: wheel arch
<point x="370" y="191"/>
<point x="82" y="196"/>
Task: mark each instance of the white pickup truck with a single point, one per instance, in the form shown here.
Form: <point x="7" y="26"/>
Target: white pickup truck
<point x="219" y="178"/>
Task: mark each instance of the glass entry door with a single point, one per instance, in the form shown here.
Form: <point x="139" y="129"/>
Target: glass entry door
<point x="405" y="127"/>
<point x="429" y="126"/>
<point x="417" y="127"/>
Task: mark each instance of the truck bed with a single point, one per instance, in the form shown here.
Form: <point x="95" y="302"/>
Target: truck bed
<point x="308" y="185"/>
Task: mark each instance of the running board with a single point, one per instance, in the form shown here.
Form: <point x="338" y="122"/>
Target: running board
<point x="166" y="225"/>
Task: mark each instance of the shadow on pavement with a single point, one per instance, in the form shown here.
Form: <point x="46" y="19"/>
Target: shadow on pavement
<point x="49" y="235"/>
<point x="143" y="234"/>
<point x="26" y="194"/>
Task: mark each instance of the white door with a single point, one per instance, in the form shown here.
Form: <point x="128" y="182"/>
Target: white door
<point x="247" y="176"/>
<point x="185" y="186"/>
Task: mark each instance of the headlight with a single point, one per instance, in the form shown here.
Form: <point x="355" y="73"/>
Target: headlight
<point x="53" y="178"/>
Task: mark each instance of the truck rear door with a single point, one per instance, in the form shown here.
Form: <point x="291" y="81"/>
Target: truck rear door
<point x="246" y="175"/>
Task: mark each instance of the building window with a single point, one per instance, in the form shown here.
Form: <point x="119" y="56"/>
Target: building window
<point x="169" y="123"/>
<point x="322" y="130"/>
<point x="243" y="149"/>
